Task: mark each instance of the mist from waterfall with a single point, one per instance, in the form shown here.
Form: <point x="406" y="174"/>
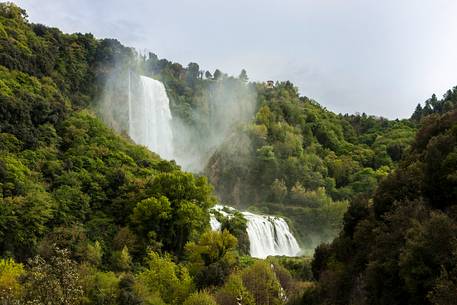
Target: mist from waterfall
<point x="139" y="106"/>
<point x="268" y="235"/>
<point x="150" y="117"/>
<point x="193" y="133"/>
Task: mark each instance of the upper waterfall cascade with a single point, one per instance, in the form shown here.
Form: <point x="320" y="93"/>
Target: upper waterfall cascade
<point x="150" y="118"/>
<point x="268" y="235"/>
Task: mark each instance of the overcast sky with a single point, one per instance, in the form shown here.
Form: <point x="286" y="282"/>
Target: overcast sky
<point x="376" y="56"/>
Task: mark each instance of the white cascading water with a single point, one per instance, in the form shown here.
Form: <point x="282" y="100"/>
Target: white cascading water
<point x="215" y="225"/>
<point x="268" y="235"/>
<point x="150" y="118"/>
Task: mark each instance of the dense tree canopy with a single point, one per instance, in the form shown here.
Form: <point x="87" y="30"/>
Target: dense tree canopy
<point x="89" y="217"/>
<point x="400" y="247"/>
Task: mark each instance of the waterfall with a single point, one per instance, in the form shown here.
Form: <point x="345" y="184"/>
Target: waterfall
<point x="214" y="223"/>
<point x="268" y="235"/>
<point x="150" y="117"/>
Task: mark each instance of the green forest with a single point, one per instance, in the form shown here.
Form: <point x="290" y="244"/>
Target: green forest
<point x="89" y="217"/>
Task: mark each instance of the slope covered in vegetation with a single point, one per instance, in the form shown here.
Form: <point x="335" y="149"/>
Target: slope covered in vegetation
<point x="302" y="161"/>
<point x="399" y="248"/>
<point x="88" y="217"/>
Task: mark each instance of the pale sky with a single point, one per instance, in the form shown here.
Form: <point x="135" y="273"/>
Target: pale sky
<point x="381" y="57"/>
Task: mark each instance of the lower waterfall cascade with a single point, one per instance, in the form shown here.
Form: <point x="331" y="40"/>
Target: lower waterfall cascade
<point x="268" y="235"/>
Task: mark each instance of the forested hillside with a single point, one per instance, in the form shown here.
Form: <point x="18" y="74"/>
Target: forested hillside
<point x="76" y="198"/>
<point x="302" y="161"/>
<point x="400" y="247"/>
<point x="89" y="217"/>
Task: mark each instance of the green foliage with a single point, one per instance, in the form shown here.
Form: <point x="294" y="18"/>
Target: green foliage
<point x="445" y="290"/>
<point x="68" y="181"/>
<point x="10" y="285"/>
<point x="234" y="292"/>
<point x="236" y="224"/>
<point x="260" y="280"/>
<point x="94" y="253"/>
<point x="172" y="282"/>
<point x="181" y="217"/>
<point x="435" y="106"/>
<point x="103" y="288"/>
<point x="200" y="298"/>
<point x="279" y="190"/>
<point x="400" y="247"/>
<point x="128" y="292"/>
<point x="427" y="249"/>
<point x="298" y="267"/>
<point x="122" y="261"/>
<point x="212" y="258"/>
<point x="150" y="215"/>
